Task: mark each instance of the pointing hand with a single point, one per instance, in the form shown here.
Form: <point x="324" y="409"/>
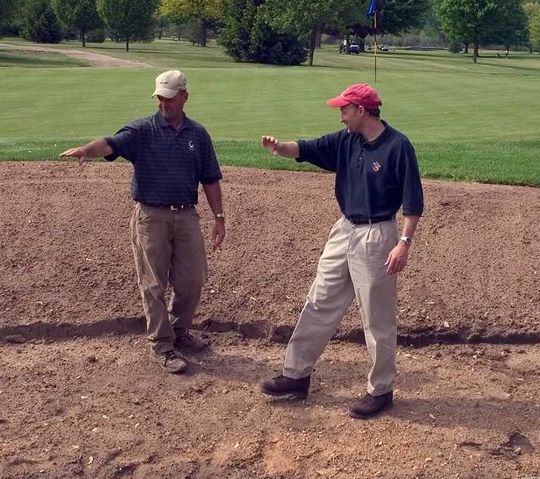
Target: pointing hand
<point x="271" y="144"/>
<point x="75" y="153"/>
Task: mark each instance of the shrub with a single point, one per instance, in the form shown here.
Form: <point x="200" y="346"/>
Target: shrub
<point x="96" y="36"/>
<point x="455" y="47"/>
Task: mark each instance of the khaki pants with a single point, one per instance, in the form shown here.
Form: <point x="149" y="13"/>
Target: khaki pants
<point x="168" y="248"/>
<point x="351" y="265"/>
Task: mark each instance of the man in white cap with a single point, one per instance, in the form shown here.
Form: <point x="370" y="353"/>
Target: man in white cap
<point x="171" y="155"/>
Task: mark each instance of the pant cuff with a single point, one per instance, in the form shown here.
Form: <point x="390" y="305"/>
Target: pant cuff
<point x="296" y="375"/>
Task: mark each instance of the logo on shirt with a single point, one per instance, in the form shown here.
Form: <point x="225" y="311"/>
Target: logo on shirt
<point x="376" y="166"/>
<point x="191" y="145"/>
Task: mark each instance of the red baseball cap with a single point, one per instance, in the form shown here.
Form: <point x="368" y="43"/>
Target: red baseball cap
<point x="360" y="94"/>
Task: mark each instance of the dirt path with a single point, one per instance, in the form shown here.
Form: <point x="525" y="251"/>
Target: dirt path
<point x="95" y="59"/>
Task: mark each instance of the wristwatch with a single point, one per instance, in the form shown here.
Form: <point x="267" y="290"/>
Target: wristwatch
<point x="220" y="215"/>
<point x="405" y="239"/>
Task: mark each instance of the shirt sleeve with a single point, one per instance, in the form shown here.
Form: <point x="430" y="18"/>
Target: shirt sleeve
<point x="210" y="171"/>
<point x="321" y="152"/>
<point x="409" y="177"/>
<point x="124" y="143"/>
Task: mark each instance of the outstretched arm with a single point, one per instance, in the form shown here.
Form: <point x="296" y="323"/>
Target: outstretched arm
<point x="275" y="147"/>
<point x="95" y="149"/>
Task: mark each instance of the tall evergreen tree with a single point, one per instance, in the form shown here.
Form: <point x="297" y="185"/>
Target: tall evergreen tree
<point x="39" y="22"/>
<point x="247" y="37"/>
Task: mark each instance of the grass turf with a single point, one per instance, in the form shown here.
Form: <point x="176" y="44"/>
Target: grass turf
<point x="468" y="122"/>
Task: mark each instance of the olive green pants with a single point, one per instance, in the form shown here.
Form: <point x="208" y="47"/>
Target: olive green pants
<point x="168" y="248"/>
<point x="351" y="265"/>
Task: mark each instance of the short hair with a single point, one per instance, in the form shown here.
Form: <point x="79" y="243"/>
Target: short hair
<point x="374" y="112"/>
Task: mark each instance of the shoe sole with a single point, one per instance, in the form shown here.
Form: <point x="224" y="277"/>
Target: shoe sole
<point x="357" y="415"/>
<point x="175" y="371"/>
<point x="294" y="395"/>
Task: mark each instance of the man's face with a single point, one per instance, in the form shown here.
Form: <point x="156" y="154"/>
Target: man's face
<point x="352" y="117"/>
<point x="172" y="108"/>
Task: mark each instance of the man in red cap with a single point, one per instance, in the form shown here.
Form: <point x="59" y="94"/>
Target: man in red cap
<point x="376" y="175"/>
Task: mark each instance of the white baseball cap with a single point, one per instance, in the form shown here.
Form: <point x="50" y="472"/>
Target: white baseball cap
<point x="169" y="83"/>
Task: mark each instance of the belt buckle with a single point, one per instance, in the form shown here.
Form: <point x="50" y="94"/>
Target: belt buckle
<point x="174" y="208"/>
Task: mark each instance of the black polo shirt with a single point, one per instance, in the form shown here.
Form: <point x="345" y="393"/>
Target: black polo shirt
<point x="373" y="179"/>
<point x="168" y="164"/>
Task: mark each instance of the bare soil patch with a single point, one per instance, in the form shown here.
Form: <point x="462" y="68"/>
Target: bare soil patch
<point x="80" y="398"/>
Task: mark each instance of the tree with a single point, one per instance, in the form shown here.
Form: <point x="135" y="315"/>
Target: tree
<point x="128" y="19"/>
<point x="432" y="26"/>
<point x="39" y="22"/>
<point x="399" y="16"/>
<point x="247" y="37"/>
<point x="162" y="24"/>
<point x="79" y="14"/>
<point x="6" y="10"/>
<point x="239" y="19"/>
<point x="532" y="11"/>
<point x="512" y="29"/>
<point x="307" y="18"/>
<point x="206" y="12"/>
<point x="477" y="21"/>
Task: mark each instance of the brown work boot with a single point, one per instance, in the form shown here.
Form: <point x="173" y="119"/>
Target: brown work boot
<point x="369" y="405"/>
<point x="282" y="386"/>
<point x="170" y="361"/>
<point x="188" y="341"/>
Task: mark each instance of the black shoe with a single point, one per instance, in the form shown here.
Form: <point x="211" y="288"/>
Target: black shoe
<point x="284" y="386"/>
<point x="170" y="361"/>
<point x="187" y="341"/>
<point x="369" y="405"/>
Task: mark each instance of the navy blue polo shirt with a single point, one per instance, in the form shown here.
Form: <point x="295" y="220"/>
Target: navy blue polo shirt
<point x="168" y="164"/>
<point x="374" y="178"/>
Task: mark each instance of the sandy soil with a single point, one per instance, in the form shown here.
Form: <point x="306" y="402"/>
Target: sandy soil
<point x="80" y="398"/>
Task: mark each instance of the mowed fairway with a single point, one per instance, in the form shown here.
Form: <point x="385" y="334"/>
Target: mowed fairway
<point x="468" y="122"/>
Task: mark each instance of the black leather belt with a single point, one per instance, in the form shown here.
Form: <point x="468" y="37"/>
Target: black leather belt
<point x="359" y="220"/>
<point x="183" y="206"/>
<point x="180" y="207"/>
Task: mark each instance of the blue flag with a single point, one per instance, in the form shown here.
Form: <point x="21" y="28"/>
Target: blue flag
<point x="373" y="8"/>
